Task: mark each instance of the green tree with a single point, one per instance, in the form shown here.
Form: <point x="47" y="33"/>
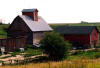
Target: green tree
<point x="55" y="46"/>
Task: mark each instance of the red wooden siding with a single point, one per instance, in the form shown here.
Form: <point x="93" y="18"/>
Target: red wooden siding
<point x="83" y="39"/>
<point x="90" y="40"/>
<point x="94" y="38"/>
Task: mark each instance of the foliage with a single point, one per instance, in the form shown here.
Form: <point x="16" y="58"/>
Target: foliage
<point x="55" y="46"/>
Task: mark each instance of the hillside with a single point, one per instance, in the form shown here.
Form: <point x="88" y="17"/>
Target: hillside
<point x="3" y="33"/>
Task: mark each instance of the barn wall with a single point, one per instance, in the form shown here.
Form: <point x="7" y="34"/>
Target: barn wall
<point x="82" y="39"/>
<point x="29" y="37"/>
<point x="94" y="38"/>
<point x="12" y="44"/>
<point x="37" y="36"/>
<point x="17" y="28"/>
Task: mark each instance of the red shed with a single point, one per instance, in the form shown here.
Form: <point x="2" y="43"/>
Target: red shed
<point x="80" y="36"/>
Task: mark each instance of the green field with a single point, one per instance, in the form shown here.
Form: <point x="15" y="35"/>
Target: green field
<point x="3" y="33"/>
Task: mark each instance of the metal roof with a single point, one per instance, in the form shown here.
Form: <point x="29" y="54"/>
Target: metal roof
<point x="29" y="10"/>
<point x="75" y="29"/>
<point x="39" y="25"/>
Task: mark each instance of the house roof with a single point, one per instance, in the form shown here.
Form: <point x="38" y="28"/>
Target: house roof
<point x="75" y="29"/>
<point x="29" y="10"/>
<point x="39" y="25"/>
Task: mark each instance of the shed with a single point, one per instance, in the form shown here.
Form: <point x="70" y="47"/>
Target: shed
<point x="80" y="36"/>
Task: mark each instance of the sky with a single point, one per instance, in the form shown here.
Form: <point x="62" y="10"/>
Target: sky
<point x="53" y="11"/>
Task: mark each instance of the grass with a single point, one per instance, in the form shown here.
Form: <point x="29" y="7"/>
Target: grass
<point x="28" y="52"/>
<point x="85" y="54"/>
<point x="31" y="52"/>
<point x="83" y="63"/>
<point x="15" y="53"/>
<point x="3" y="33"/>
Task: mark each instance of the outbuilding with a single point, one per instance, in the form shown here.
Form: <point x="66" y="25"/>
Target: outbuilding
<point x="29" y="25"/>
<point x="80" y="36"/>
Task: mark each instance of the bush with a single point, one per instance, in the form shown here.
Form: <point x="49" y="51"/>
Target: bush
<point x="55" y="46"/>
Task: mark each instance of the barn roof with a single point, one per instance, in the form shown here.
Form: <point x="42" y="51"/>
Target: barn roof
<point x="75" y="29"/>
<point x="29" y="10"/>
<point x="39" y="25"/>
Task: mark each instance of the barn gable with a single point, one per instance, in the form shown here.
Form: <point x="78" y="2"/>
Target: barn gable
<point x="18" y="24"/>
<point x="18" y="27"/>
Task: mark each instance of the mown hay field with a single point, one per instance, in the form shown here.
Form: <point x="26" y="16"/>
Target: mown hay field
<point x="84" y="63"/>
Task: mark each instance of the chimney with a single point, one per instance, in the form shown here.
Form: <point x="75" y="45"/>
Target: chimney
<point x="33" y="13"/>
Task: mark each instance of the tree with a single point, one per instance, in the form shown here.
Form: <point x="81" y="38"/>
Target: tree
<point x="55" y="46"/>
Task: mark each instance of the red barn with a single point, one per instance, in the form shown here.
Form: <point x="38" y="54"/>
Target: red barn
<point x="80" y="36"/>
